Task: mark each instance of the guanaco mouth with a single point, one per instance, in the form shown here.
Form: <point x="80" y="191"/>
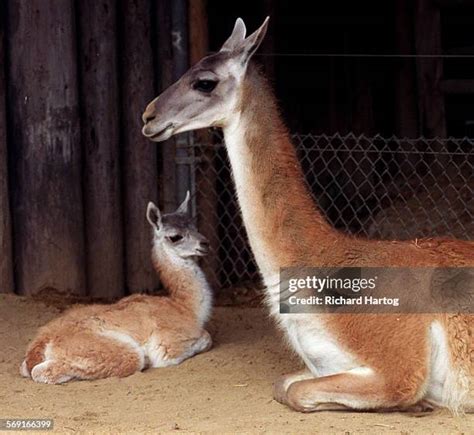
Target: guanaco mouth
<point x="158" y="135"/>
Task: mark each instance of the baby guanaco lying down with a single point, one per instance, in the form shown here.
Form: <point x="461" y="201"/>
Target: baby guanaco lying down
<point x="139" y="331"/>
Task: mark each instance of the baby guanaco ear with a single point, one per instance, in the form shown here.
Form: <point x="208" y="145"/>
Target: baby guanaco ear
<point x="184" y="207"/>
<point x="246" y="49"/>
<point x="237" y="36"/>
<point x="153" y="215"/>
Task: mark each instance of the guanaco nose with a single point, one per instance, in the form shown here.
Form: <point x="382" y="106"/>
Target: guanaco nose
<point x="149" y="114"/>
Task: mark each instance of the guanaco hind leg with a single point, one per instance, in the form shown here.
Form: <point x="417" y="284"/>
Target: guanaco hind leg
<point x="101" y="358"/>
<point x="52" y="372"/>
<point x="336" y="392"/>
<point x="160" y="356"/>
<point x="280" y="387"/>
<point x="203" y="343"/>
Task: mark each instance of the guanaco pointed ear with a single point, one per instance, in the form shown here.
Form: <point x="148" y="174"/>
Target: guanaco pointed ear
<point x="246" y="49"/>
<point x="184" y="207"/>
<point x="237" y="36"/>
<point x="153" y="215"/>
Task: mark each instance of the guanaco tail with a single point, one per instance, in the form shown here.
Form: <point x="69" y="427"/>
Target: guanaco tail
<point x="139" y="331"/>
<point x="353" y="361"/>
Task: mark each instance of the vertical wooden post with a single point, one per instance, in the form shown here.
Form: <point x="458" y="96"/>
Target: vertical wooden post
<point x="198" y="32"/>
<point x="430" y="70"/>
<point x="179" y="33"/>
<point x="45" y="137"/>
<point x="165" y="72"/>
<point x="6" y="263"/>
<point x="100" y="142"/>
<point x="139" y="154"/>
<point x="206" y="192"/>
<point x="172" y="37"/>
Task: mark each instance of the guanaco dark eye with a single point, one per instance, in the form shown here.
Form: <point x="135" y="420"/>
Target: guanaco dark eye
<point x="174" y="239"/>
<point x="205" y="85"/>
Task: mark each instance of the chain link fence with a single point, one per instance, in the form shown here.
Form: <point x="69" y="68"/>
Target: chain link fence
<point x="377" y="187"/>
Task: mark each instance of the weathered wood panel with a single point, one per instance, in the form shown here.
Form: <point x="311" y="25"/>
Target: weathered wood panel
<point x="45" y="139"/>
<point x="100" y="142"/>
<point x="180" y="46"/>
<point x="206" y="193"/>
<point x="198" y="30"/>
<point x="139" y="154"/>
<point x="164" y="69"/>
<point x="6" y="264"/>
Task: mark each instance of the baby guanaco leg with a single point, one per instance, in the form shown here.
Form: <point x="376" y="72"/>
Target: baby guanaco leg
<point x="52" y="372"/>
<point x="203" y="343"/>
<point x="87" y="356"/>
<point x="175" y="351"/>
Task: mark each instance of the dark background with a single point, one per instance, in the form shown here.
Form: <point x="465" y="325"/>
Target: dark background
<point x="343" y="94"/>
<point x="75" y="76"/>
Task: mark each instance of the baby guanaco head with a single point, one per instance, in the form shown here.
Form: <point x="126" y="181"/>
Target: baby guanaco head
<point x="175" y="232"/>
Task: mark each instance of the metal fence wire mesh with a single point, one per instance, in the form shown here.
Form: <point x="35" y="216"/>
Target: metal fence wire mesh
<point x="384" y="188"/>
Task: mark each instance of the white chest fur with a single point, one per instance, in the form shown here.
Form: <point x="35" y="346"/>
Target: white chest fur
<point x="308" y="337"/>
<point x="247" y="192"/>
<point x="315" y="345"/>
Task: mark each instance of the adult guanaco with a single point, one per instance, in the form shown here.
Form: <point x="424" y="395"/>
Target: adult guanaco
<point x="353" y="361"/>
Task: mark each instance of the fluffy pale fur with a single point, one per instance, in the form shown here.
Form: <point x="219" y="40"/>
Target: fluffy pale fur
<point x="139" y="331"/>
<point x="354" y="361"/>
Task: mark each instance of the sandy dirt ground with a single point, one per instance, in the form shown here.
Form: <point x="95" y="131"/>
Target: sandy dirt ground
<point x="225" y="390"/>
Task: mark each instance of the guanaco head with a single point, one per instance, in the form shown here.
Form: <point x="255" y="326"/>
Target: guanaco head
<point x="175" y="232"/>
<point x="208" y="94"/>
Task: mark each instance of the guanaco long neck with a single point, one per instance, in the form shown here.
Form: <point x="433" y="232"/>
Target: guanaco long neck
<point x="283" y="224"/>
<point x="185" y="282"/>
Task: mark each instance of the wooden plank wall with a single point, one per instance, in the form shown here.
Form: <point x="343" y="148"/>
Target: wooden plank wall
<point x="139" y="155"/>
<point x="75" y="171"/>
<point x="6" y="263"/>
<point x="206" y="177"/>
<point x="45" y="143"/>
<point x="101" y="147"/>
